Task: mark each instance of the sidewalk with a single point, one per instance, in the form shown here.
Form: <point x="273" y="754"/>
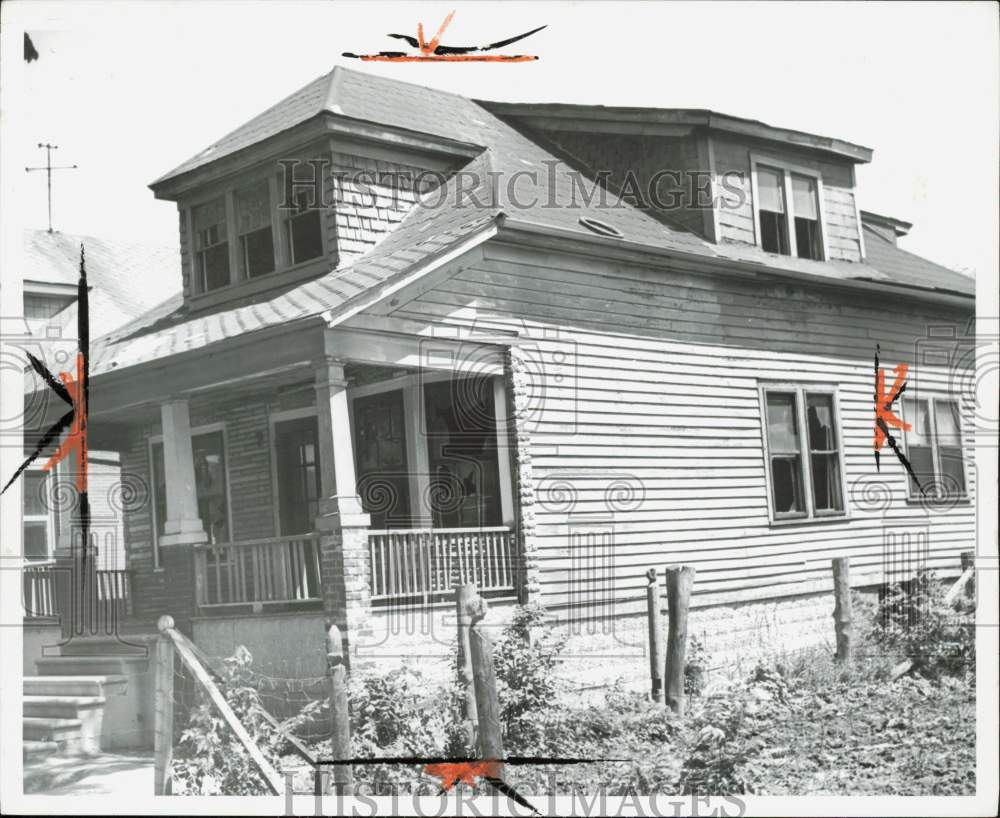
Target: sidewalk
<point x="89" y="775"/>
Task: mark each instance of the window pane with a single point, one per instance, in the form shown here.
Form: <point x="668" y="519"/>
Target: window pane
<point x="770" y="190"/>
<point x="915" y="413"/>
<point x="305" y="236"/>
<point x="210" y="484"/>
<point x="34" y="493"/>
<point x="209" y="223"/>
<point x="253" y="208"/>
<point x="36" y="540"/>
<point x="946" y="419"/>
<point x="952" y="470"/>
<point x="807" y="243"/>
<point x="819" y="415"/>
<point x="258" y="253"/>
<point x="786" y="483"/>
<point x="827" y="495"/>
<point x="773" y="233"/>
<point x="922" y="462"/>
<point x="804" y="198"/>
<point x="782" y="430"/>
<point x="214" y="264"/>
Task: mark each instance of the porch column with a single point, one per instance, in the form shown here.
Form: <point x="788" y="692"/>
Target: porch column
<point x="342" y="522"/>
<point x="183" y="527"/>
<point x="504" y="451"/>
<point x="417" y="455"/>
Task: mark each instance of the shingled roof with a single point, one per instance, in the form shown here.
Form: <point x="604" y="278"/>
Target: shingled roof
<point x="432" y="228"/>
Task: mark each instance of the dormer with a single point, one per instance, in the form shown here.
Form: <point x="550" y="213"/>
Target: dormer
<point x="728" y="180"/>
<point x="299" y="191"/>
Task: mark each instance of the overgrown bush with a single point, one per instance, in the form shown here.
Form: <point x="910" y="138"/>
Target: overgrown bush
<point x="695" y="667"/>
<point x="209" y="759"/>
<point x="914" y="622"/>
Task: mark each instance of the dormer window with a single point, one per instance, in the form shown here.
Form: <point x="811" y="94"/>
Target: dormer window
<point x="787" y="210"/>
<point x="253" y="229"/>
<point x="303" y="228"/>
<point x="211" y="246"/>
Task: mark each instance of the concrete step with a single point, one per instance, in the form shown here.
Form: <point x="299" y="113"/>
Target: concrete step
<point x="115" y="685"/>
<point x="65" y="733"/>
<point x="60" y="707"/>
<point x="38" y="750"/>
<point x="122" y="644"/>
<point x="91" y="665"/>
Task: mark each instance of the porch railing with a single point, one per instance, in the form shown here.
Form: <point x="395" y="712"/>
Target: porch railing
<point x="423" y="564"/>
<point x="258" y="572"/>
<point x="40" y="592"/>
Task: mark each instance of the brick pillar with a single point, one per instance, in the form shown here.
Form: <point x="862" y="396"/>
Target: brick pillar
<point x="342" y="523"/>
<point x="518" y="383"/>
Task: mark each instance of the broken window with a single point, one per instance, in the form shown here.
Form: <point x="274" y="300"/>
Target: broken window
<point x="804" y="455"/>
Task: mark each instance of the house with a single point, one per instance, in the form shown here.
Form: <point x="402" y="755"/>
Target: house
<point x="417" y="341"/>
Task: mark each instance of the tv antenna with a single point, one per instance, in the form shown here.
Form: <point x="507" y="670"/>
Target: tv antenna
<point x="49" y="167"/>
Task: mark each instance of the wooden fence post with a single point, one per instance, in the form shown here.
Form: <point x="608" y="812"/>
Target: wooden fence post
<point x="969" y="564"/>
<point x="842" y="607"/>
<point x="340" y="743"/>
<point x="465" y="596"/>
<point x="655" y="617"/>
<point x="679" y="582"/>
<point x="484" y="677"/>
<point x="163" y="736"/>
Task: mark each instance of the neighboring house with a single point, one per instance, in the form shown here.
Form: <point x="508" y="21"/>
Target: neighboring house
<point x="125" y="279"/>
<point x="482" y="375"/>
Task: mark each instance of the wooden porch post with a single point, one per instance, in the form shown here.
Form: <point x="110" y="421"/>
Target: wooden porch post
<point x="183" y="527"/>
<point x="504" y="451"/>
<point x="417" y="455"/>
<point x="342" y="523"/>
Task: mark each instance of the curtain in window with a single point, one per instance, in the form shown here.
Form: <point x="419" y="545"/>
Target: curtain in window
<point x="824" y="457"/>
<point x="783" y="445"/>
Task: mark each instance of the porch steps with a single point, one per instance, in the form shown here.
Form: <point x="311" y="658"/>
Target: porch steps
<point x="66" y="734"/>
<point x="38" y="750"/>
<point x="124" y="644"/>
<point x="93" y="665"/>
<point x="75" y="685"/>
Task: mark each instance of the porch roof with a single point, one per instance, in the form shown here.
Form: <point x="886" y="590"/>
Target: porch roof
<point x="444" y="222"/>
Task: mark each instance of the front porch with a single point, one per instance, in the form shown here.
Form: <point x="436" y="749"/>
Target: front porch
<point x="336" y="487"/>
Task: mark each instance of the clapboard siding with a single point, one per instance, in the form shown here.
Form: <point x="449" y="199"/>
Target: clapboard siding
<point x="732" y="173"/>
<point x="646" y="434"/>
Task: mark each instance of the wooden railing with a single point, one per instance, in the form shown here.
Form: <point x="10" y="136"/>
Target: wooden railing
<point x="258" y="572"/>
<point x="425" y="564"/>
<point x="40" y="590"/>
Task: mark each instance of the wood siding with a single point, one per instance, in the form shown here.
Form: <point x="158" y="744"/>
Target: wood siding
<point x="646" y="433"/>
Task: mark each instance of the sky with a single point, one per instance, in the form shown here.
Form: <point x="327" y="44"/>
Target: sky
<point x="129" y="90"/>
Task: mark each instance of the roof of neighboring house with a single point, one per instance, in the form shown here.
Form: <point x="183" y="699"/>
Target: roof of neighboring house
<point x="906" y="269"/>
<point x="127" y="279"/>
<point x="440" y="223"/>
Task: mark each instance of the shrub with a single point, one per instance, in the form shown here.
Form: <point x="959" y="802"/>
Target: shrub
<point x="210" y="760"/>
<point x="913" y="621"/>
<point x="695" y="667"/>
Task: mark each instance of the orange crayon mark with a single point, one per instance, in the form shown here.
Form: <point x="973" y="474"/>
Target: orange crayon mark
<point x="446" y="58"/>
<point x="883" y="404"/>
<point x="76" y="438"/>
<point x="465" y="772"/>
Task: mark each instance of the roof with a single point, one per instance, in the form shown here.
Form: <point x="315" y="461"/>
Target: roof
<point x="127" y="279"/>
<point x="906" y="269"/>
<point x="439" y="224"/>
<point x="598" y="118"/>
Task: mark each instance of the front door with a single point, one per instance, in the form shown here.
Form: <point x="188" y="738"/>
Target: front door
<point x="380" y="453"/>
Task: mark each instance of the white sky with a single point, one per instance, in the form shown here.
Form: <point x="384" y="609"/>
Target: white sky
<point x="128" y="90"/>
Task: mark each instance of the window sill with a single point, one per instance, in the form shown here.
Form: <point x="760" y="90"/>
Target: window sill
<point x="279" y="279"/>
<point x="810" y="521"/>
<point x="937" y="502"/>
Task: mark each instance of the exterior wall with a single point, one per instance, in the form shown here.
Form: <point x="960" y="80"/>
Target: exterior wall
<point x="840" y="215"/>
<point x="646" y="440"/>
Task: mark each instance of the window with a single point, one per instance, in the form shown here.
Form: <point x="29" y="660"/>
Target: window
<point x="208" y="450"/>
<point x="805" y="472"/>
<point x="38" y="518"/>
<point x="771" y="210"/>
<point x="211" y="246"/>
<point x="304" y="230"/>
<point x="934" y="447"/>
<point x="253" y="227"/>
<point x="297" y="475"/>
<point x="787" y="210"/>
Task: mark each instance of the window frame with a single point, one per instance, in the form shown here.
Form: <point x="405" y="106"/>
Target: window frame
<point x="279" y="238"/>
<point x="275" y="418"/>
<point x="50" y="517"/>
<point x="207" y="428"/>
<point x="933" y="399"/>
<point x="787" y="169"/>
<point x="800" y="390"/>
